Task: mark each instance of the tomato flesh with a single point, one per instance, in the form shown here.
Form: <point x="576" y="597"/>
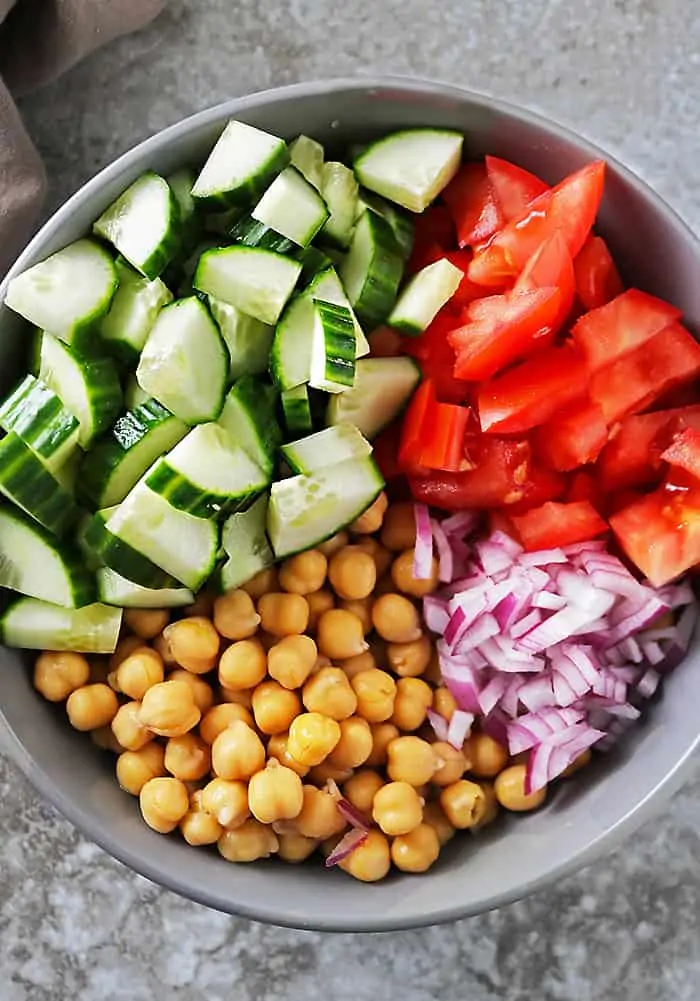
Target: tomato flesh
<point x="551" y="267"/>
<point x="513" y="186"/>
<point x="472" y="204"/>
<point x="500" y="467"/>
<point x="597" y="279"/>
<point x="684" y="452"/>
<point x="660" y="533"/>
<point x="554" y="524"/>
<point x="573" y="437"/>
<point x="631" y="457"/>
<point x="629" y="321"/>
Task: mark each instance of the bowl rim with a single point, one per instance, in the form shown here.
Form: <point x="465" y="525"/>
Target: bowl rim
<point x="258" y="909"/>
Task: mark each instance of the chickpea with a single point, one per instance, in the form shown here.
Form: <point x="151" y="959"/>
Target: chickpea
<point x="163" y="649"/>
<point x="164" y="802"/>
<point x="103" y="738"/>
<point x="492" y="807"/>
<point x="404" y="580"/>
<point x="396" y="619"/>
<point x="169" y="709"/>
<point x="376" y="692"/>
<point x="433" y="672"/>
<point x="399" y="528"/>
<point x="304" y="573"/>
<point x="510" y="790"/>
<point x="220" y="717"/>
<point x="243" y="698"/>
<point x="370" y="861"/>
<point x="361" y="789"/>
<point x="362" y="608"/>
<point x="277" y="748"/>
<point x="413" y="699"/>
<point x="243" y="665"/>
<point x="333" y="545"/>
<point x="582" y="761"/>
<point x="324" y="773"/>
<point x="451" y="763"/>
<point x="329" y="692"/>
<point x="417" y="850"/>
<point x="262" y="583"/>
<point x="355" y="744"/>
<point x="57" y="674"/>
<point x="362" y="662"/>
<point x="237" y="753"/>
<point x="128" y="728"/>
<point x="444" y="703"/>
<point x="382" y="735"/>
<point x="434" y="815"/>
<point x="397" y="808"/>
<point x="136" y="768"/>
<point x="312" y="737"/>
<point x="352" y="573"/>
<point x="194" y="643"/>
<point x="226" y="801"/>
<point x="381" y="556"/>
<point x="146" y="622"/>
<point x="188" y="758"/>
<point x="464" y="804"/>
<point x="318" y="602"/>
<point x="248" y="842"/>
<point x="295" y="847"/>
<point x="201" y="607"/>
<point x="485" y="755"/>
<point x="291" y="661"/>
<point x="138" y="672"/>
<point x="235" y="616"/>
<point x="91" y="706"/>
<point x="202" y="692"/>
<point x="125" y="646"/>
<point x="283" y="614"/>
<point x="274" y="707"/>
<point x="200" y="828"/>
<point x="409" y="660"/>
<point x="411" y="760"/>
<point x="319" y="817"/>
<point x="340" y="634"/>
<point x="275" y="793"/>
<point x="371" y="519"/>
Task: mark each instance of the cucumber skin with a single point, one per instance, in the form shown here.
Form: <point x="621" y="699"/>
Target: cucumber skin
<point x="183" y="495"/>
<point x="377" y="298"/>
<point x="33" y="488"/>
<point x="245" y="194"/>
<point x="123" y="558"/>
<point x="249" y="232"/>
<point x="296" y="408"/>
<point x="33" y="411"/>
<point x="260" y="399"/>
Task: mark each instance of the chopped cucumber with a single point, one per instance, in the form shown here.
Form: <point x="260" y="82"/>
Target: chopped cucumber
<point x="181" y="183"/>
<point x="325" y="448"/>
<point x="101" y="547"/>
<point x="410" y="167"/>
<point x="248" y="340"/>
<point x="67" y="293"/>
<point x="207" y="473"/>
<point x="35" y="564"/>
<point x="245" y="543"/>
<point x="250" y="232"/>
<point x="313" y="261"/>
<point x="383" y="387"/>
<point x="401" y="225"/>
<point x="88" y="387"/>
<point x="306" y="510"/>
<point x="372" y="270"/>
<point x="340" y="191"/>
<point x="249" y="416"/>
<point x="134" y="396"/>
<point x="133" y="312"/>
<point x="38" y="625"/>
<point x="241" y="165"/>
<point x="256" y="281"/>
<point x="184" y="363"/>
<point x="26" y="481"/>
<point x="328" y="286"/>
<point x="120" y="459"/>
<point x="424" y="296"/>
<point x="307" y="156"/>
<point x="293" y="207"/>
<point x="37" y="415"/>
<point x="333" y="350"/>
<point x="113" y="589"/>
<point x="296" y="408"/>
<point x="67" y="473"/>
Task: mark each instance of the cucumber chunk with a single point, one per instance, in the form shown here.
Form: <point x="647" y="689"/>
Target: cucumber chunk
<point x="423" y="297"/>
<point x="410" y="167"/>
<point x="133" y="312"/>
<point x="307" y="156"/>
<point x="113" y="589"/>
<point x="245" y="543"/>
<point x="372" y="270"/>
<point x="250" y="232"/>
<point x="296" y="408"/>
<point x="248" y="340"/>
<point x="325" y="448"/>
<point x="401" y="225"/>
<point x="383" y="387"/>
<point x="333" y="350"/>
<point x="241" y="165"/>
<point x="249" y="416"/>
<point x="134" y="396"/>
<point x="293" y="207"/>
<point x="340" y="191"/>
<point x="257" y="282"/>
<point x="32" y="624"/>
<point x="25" y="480"/>
<point x="37" y="415"/>
<point x="102" y="547"/>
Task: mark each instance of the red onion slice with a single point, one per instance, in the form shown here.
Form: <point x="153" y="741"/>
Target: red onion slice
<point x="459" y="728"/>
<point x="351" y="840"/>
<point x="423" y="551"/>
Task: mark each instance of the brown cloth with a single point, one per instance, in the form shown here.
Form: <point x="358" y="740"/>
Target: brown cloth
<point x="39" y="40"/>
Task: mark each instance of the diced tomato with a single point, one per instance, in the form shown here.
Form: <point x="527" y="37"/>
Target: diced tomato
<point x="442" y="445"/>
<point x="501" y="467"/>
<point x="633" y="382"/>
<point x="584" y="485"/>
<point x="419" y="413"/>
<point x="551" y="266"/>
<point x="501" y="329"/>
<point x="573" y="437"/>
<point x="660" y="533"/>
<point x="540" y="486"/>
<point x="629" y="321"/>
<point x="385" y="342"/>
<point x="422" y="255"/>
<point x="437" y="358"/>
<point x="597" y="279"/>
<point x="620" y="499"/>
<point x="472" y="204"/>
<point x="684" y="452"/>
<point x="467" y="291"/>
<point x="500" y="522"/>
<point x="434" y="226"/>
<point x="514" y="186"/>
<point x="570" y="207"/>
<point x="531" y="393"/>
<point x="555" y="524"/>
<point x="386" y="451"/>
<point x="632" y="457"/>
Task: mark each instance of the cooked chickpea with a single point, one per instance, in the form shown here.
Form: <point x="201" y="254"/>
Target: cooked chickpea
<point x="125" y="646"/>
<point x="411" y="760"/>
<point x="362" y="608"/>
<point x="243" y="665"/>
<point x="312" y="737"/>
<point x="57" y="674"/>
<point x="226" y="801"/>
<point x="381" y="556"/>
<point x="291" y="661"/>
<point x="582" y="761"/>
<point x="333" y="545"/>
<point x="433" y="672"/>
<point x="444" y="703"/>
<point x="283" y="614"/>
<point x="324" y="773"/>
<point x="371" y="519"/>
<point x="370" y="861"/>
<point x="361" y="789"/>
<point x="188" y="758"/>
<point x="275" y="793"/>
<point x="417" y="850"/>
<point x="243" y="698"/>
<point x="304" y="573"/>
<point x="492" y="807"/>
<point x="220" y="717"/>
<point x="295" y="847"/>
<point x="464" y="804"/>
<point x="485" y="755"/>
<point x="237" y="753"/>
<point x="136" y="768"/>
<point x="138" y="672"/>
<point x="382" y="735"/>
<point x="200" y="828"/>
<point x="91" y="706"/>
<point x="277" y="748"/>
<point x="103" y="738"/>
<point x="202" y="692"/>
<point x="355" y="744"/>
<point x="194" y="643"/>
<point x="329" y="692"/>
<point x="274" y="707"/>
<point x="318" y="602"/>
<point x="201" y="607"/>
<point x="146" y="622"/>
<point x="396" y="619"/>
<point x="169" y="709"/>
<point x="248" y="842"/>
<point x="510" y="790"/>
<point x="128" y="728"/>
<point x="262" y="583"/>
<point x="235" y="616"/>
<point x="405" y="581"/>
<point x="376" y="693"/>
<point x="413" y="699"/>
<point x="164" y="802"/>
<point x="397" y="808"/>
<point x="163" y="649"/>
<point x="340" y="634"/>
<point x="434" y="815"/>
<point x="352" y="573"/>
<point x="451" y="763"/>
<point x="409" y="660"/>
<point x="399" y="528"/>
<point x="319" y="816"/>
<point x="362" y="662"/>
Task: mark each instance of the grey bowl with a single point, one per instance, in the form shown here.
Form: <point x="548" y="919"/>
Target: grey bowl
<point x="588" y="816"/>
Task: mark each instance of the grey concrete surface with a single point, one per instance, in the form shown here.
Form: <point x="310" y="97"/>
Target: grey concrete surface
<point x="76" y="925"/>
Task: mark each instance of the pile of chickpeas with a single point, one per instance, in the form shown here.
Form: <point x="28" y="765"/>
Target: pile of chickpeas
<point x="241" y="722"/>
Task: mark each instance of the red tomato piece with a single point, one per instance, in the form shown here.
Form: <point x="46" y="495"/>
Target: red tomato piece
<point x="551" y="267"/>
<point x="437" y="357"/>
<point x="467" y="291"/>
<point x="418" y="415"/>
<point x="584" y="485"/>
<point x="632" y="457"/>
<point x="632" y="383"/>
<point x="529" y="394"/>
<point x="472" y="204"/>
<point x="611" y="331"/>
<point x="684" y="452"/>
<point x="501" y="467"/>
<point x="570" y="207"/>
<point x="433" y="226"/>
<point x="422" y="255"/>
<point x="501" y="329"/>
<point x="660" y="533"/>
<point x="540" y="486"/>
<point x="442" y="445"/>
<point x="597" y="279"/>
<point x="385" y="451"/>
<point x="514" y="186"/>
<point x="555" y="524"/>
<point x="573" y="437"/>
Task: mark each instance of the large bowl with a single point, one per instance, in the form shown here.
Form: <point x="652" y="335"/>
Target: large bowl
<point x="585" y="818"/>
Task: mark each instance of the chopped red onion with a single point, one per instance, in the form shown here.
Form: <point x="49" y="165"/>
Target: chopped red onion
<point x="352" y="814"/>
<point x="526" y="625"/>
<point x="423" y="551"/>
<point x="351" y="840"/>
<point x="460" y="524"/>
<point x="482" y="629"/>
<point x="439" y="724"/>
<point x="445" y="554"/>
<point x="459" y="728"/>
<point x="549" y="600"/>
<point x="543" y="558"/>
<point x="435" y="614"/>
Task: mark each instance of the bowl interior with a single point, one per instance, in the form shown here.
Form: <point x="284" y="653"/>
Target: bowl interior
<point x="658" y="254"/>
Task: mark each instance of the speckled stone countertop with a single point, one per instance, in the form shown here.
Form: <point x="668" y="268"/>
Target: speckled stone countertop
<point x="76" y="925"/>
